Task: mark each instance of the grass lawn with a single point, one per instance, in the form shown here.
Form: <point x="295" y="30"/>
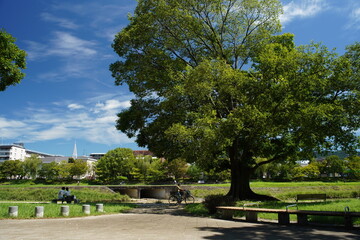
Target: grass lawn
<point x="287" y="191"/>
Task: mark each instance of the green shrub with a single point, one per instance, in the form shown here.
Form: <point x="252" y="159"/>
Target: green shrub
<point x="197" y="209"/>
<point x="213" y="201"/>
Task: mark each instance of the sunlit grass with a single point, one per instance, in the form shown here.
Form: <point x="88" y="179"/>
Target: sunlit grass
<point x="47" y="194"/>
<point x="287" y="191"/>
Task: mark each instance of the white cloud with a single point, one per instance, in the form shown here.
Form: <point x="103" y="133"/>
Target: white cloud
<point x="354" y="19"/>
<point x="65" y="44"/>
<point x="4" y="123"/>
<point x="62" y="44"/>
<point x="302" y="9"/>
<point x="75" y="106"/>
<point x="91" y="121"/>
<point x="62" y="22"/>
<point x="103" y="17"/>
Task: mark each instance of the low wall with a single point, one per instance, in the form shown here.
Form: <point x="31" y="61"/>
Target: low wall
<point x="158" y="192"/>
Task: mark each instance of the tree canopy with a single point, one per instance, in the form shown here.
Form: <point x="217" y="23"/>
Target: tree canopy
<point x="115" y="165"/>
<point x="12" y="60"/>
<point x="214" y="80"/>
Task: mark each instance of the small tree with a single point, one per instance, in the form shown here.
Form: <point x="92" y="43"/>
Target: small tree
<point x="32" y="165"/>
<point x="332" y="165"/>
<point x="353" y="167"/>
<point x="141" y="168"/>
<point x="310" y="171"/>
<point x="12" y="169"/>
<point x="63" y="169"/>
<point x="49" y="171"/>
<point x="78" y="168"/>
<point x="177" y="168"/>
<point x="157" y="170"/>
<point x="194" y="172"/>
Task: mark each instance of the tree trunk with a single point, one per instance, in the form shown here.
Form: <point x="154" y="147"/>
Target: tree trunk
<point x="240" y="176"/>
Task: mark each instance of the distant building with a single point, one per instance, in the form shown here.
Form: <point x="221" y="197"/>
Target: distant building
<point x="136" y="153"/>
<point x="12" y="152"/>
<point x="17" y="151"/>
<point x="303" y="163"/>
<point x="97" y="156"/>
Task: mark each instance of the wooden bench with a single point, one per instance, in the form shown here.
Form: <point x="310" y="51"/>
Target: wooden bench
<point x="318" y="196"/>
<point x="284" y="214"/>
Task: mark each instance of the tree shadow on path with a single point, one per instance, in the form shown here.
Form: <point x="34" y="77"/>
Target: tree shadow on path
<point x="277" y="232"/>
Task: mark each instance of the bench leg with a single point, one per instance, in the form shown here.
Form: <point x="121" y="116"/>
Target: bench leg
<point x="302" y="219"/>
<point x="284" y="218"/>
<point x="251" y="216"/>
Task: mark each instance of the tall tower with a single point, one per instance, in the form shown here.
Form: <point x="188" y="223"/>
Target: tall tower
<point x="74" y="155"/>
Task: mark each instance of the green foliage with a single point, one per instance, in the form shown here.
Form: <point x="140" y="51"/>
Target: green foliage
<point x="78" y="167"/>
<point x="310" y="171"/>
<point x="353" y="167"/>
<point x="116" y="165"/>
<point x="12" y="61"/>
<point x="49" y="171"/>
<point x="194" y="172"/>
<point x="332" y="165"/>
<point x="177" y="168"/>
<point x="197" y="209"/>
<point x="47" y="194"/>
<point x="148" y="169"/>
<point x="32" y="165"/>
<point x="213" y="201"/>
<point x="12" y="169"/>
<point x="212" y="79"/>
<point x="63" y="170"/>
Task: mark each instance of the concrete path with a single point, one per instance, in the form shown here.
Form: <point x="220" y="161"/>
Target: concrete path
<point x="159" y="225"/>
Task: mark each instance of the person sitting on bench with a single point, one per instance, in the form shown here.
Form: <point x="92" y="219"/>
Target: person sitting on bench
<point x="61" y="194"/>
<point x="68" y="196"/>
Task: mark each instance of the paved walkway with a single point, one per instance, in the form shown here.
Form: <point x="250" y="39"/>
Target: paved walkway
<point x="158" y="223"/>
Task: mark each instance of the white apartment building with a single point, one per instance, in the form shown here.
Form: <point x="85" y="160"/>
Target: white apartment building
<point x="14" y="151"/>
<point x="17" y="151"/>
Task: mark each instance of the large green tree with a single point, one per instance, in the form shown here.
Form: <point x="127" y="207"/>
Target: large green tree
<point x="212" y="79"/>
<point x="115" y="165"/>
<point x="12" y="61"/>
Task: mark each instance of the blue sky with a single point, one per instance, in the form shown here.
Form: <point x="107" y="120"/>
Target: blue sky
<point x="68" y="93"/>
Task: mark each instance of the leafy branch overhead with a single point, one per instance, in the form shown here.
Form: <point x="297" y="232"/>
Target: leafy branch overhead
<point x="12" y="61"/>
